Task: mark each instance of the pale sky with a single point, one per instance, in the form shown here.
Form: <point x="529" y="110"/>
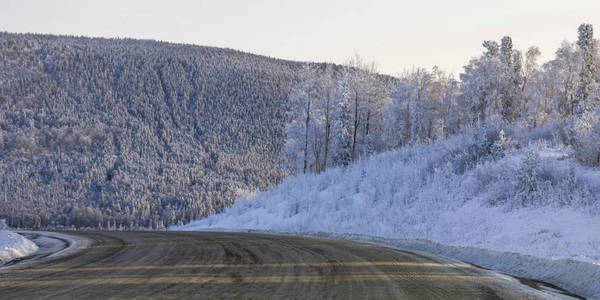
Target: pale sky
<point x="397" y="35"/>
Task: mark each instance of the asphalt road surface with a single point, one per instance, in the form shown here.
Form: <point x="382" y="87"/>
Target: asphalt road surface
<point x="215" y="265"/>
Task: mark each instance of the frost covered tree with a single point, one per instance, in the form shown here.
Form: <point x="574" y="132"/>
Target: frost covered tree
<point x="587" y="77"/>
<point x="326" y="110"/>
<point x="511" y="80"/>
<point x="531" y="65"/>
<point x="300" y="124"/>
<point x="342" y="130"/>
<point x="583" y="126"/>
<point x="444" y="113"/>
<point x="321" y="122"/>
<point x="420" y="83"/>
<point x="364" y="99"/>
<point x="423" y="106"/>
<point x="534" y="104"/>
<point x="492" y="84"/>
<point x="407" y="114"/>
<point x="561" y="79"/>
<point x="528" y="178"/>
<point x="584" y="132"/>
<point x="453" y="112"/>
<point x="330" y="88"/>
<point x="480" y="89"/>
<point x="397" y="116"/>
<point x="337" y="116"/>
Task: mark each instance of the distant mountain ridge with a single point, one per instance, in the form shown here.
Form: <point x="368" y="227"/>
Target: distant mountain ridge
<point x="133" y="133"/>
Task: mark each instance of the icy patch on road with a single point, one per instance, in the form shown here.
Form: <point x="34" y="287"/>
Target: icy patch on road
<point x="14" y="245"/>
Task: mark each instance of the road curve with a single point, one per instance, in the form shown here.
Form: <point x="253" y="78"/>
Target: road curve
<point x="209" y="265"/>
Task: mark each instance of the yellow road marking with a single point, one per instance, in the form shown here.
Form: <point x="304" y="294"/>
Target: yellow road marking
<point x="227" y="266"/>
<point x="248" y="279"/>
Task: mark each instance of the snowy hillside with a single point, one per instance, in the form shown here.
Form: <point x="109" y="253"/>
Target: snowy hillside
<point x="533" y="199"/>
<point x="13" y="245"/>
<point x="108" y="127"/>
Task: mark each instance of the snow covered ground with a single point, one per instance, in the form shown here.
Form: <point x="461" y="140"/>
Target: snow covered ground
<point x="523" y="196"/>
<point x="13" y="246"/>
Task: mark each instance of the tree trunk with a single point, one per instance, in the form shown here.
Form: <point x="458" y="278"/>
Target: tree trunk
<point x="327" y="137"/>
<point x="306" y="137"/>
<point x="317" y="153"/>
<point x="356" y="124"/>
<point x="367" y="127"/>
<point x="408" y="128"/>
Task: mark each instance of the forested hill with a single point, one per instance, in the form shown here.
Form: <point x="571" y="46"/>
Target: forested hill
<point x="123" y="133"/>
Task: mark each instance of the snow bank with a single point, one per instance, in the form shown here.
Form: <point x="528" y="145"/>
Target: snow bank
<point x="13" y="246"/>
<point x="471" y="190"/>
<point x="57" y="245"/>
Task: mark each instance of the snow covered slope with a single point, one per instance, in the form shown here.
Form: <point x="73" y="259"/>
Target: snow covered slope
<point x="532" y="199"/>
<point x="13" y="245"/>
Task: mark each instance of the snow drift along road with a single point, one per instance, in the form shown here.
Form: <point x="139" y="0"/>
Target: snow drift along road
<point x="13" y="246"/>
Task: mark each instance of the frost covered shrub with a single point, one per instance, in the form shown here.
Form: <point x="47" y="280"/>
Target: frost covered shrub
<point x="497" y="136"/>
<point x="474" y="145"/>
<point x="551" y="131"/>
<point x="568" y="188"/>
<point x="498" y="147"/>
<point x="528" y="185"/>
<point x="584" y="133"/>
<point x="489" y="134"/>
<point x="491" y="140"/>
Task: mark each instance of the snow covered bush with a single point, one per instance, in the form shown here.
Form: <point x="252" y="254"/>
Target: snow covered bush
<point x="528" y="177"/>
<point x="584" y="135"/>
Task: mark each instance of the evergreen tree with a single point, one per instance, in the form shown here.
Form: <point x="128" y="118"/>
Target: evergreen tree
<point x="587" y="75"/>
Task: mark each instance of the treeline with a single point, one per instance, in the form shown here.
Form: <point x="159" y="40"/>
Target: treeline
<point x="348" y="114"/>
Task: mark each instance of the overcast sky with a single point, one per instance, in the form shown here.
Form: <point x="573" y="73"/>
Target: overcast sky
<point x="395" y="34"/>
